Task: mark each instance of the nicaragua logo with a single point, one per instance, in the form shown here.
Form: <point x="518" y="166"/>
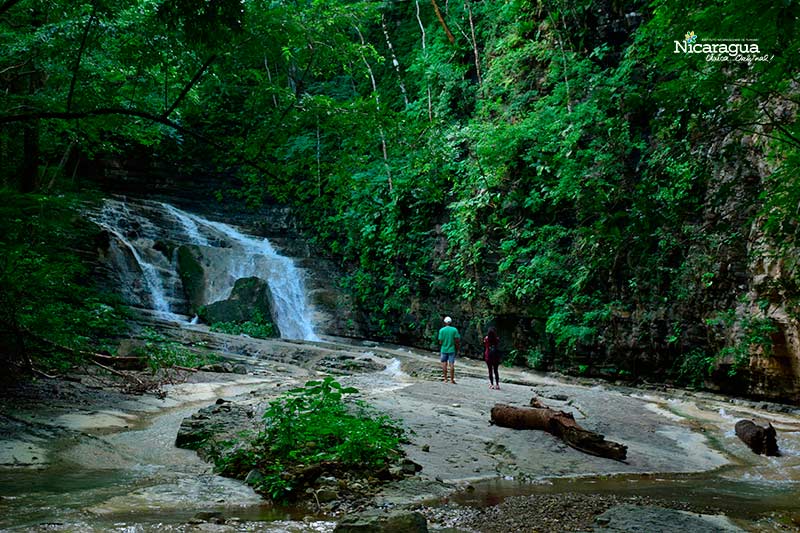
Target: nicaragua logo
<point x="721" y="50"/>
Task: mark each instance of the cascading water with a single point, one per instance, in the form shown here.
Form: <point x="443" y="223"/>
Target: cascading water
<point x="146" y="232"/>
<point x="134" y="237"/>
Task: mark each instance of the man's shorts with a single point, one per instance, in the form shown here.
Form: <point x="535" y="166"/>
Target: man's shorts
<point x="448" y="357"/>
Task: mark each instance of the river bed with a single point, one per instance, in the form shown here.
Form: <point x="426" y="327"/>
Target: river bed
<point x="112" y="466"/>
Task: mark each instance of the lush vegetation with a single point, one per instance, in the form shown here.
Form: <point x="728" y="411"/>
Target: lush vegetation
<point x="313" y="428"/>
<point x="553" y="166"/>
<point x="50" y="312"/>
<point x="258" y="327"/>
<point x="160" y="352"/>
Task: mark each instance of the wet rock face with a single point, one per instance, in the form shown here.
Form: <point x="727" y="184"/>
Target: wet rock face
<point x="654" y="519"/>
<point x="214" y="423"/>
<point x="192" y="274"/>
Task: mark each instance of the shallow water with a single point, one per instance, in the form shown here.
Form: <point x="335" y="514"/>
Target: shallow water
<point x="736" y="498"/>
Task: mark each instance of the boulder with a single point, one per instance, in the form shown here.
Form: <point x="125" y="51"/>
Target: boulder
<point x="395" y="521"/>
<point x="761" y="440"/>
<point x="192" y="274"/>
<point x="250" y="298"/>
<point x="213" y="424"/>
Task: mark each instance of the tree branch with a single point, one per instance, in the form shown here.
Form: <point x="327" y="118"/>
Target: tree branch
<point x="107" y="111"/>
<point x="78" y="59"/>
<point x="8" y="5"/>
<point x="189" y="86"/>
<point x="443" y="23"/>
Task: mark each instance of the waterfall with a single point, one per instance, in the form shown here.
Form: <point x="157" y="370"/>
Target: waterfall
<point x="148" y="230"/>
<point x="136" y="236"/>
<point x="256" y="257"/>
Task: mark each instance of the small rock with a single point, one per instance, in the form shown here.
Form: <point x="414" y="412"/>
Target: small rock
<point x="208" y="516"/>
<point x="383" y="522"/>
<point x="327" y="495"/>
<point x="254" y="477"/>
<point x="426" y="448"/>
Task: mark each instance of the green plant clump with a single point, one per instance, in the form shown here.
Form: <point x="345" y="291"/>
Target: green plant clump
<point x="159" y="352"/>
<point x="314" y="425"/>
<point x="257" y="327"/>
<point x="51" y="312"/>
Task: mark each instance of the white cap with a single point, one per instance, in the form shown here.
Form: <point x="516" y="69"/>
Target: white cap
<point x="447" y="320"/>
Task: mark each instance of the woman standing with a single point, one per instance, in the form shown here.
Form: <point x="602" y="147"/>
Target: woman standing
<point x="491" y="354"/>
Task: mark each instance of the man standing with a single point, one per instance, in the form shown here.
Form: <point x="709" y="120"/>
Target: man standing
<point x="450" y="342"/>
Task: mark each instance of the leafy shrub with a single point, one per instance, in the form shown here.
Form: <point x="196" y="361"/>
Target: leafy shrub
<point x="696" y="367"/>
<point x="162" y="353"/>
<point x="258" y="327"/>
<point x="50" y="310"/>
<point x="311" y="425"/>
<point x="536" y="359"/>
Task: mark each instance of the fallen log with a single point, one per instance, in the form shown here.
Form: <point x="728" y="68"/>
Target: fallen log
<point x="761" y="440"/>
<point x="560" y="424"/>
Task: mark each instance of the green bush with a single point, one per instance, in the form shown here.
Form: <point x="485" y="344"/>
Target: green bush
<point x="695" y="367"/>
<point x="258" y="327"/>
<point x="159" y="352"/>
<point x="536" y="359"/>
<point x="50" y="310"/>
<point x="315" y="424"/>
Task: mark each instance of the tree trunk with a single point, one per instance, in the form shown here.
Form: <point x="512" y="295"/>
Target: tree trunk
<point x="443" y="23"/>
<point x="560" y="424"/>
<point x="30" y="161"/>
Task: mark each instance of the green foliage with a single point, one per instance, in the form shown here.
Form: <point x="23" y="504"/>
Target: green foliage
<point x="750" y="334"/>
<point x="536" y="359"/>
<point x="538" y="165"/>
<point x="161" y="352"/>
<point x="49" y="309"/>
<point x="314" y="424"/>
<point x="695" y="367"/>
<point x="258" y="327"/>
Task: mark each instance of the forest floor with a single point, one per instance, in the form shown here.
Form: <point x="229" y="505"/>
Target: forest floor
<point x="475" y="476"/>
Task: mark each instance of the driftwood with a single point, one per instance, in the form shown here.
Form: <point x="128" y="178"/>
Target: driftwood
<point x="761" y="440"/>
<point x="560" y="424"/>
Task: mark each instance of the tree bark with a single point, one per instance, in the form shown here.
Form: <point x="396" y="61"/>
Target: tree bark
<point x="474" y="43"/>
<point x="425" y="55"/>
<point x="560" y="424"/>
<point x="378" y="107"/>
<point x="395" y="62"/>
<point x="443" y="23"/>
